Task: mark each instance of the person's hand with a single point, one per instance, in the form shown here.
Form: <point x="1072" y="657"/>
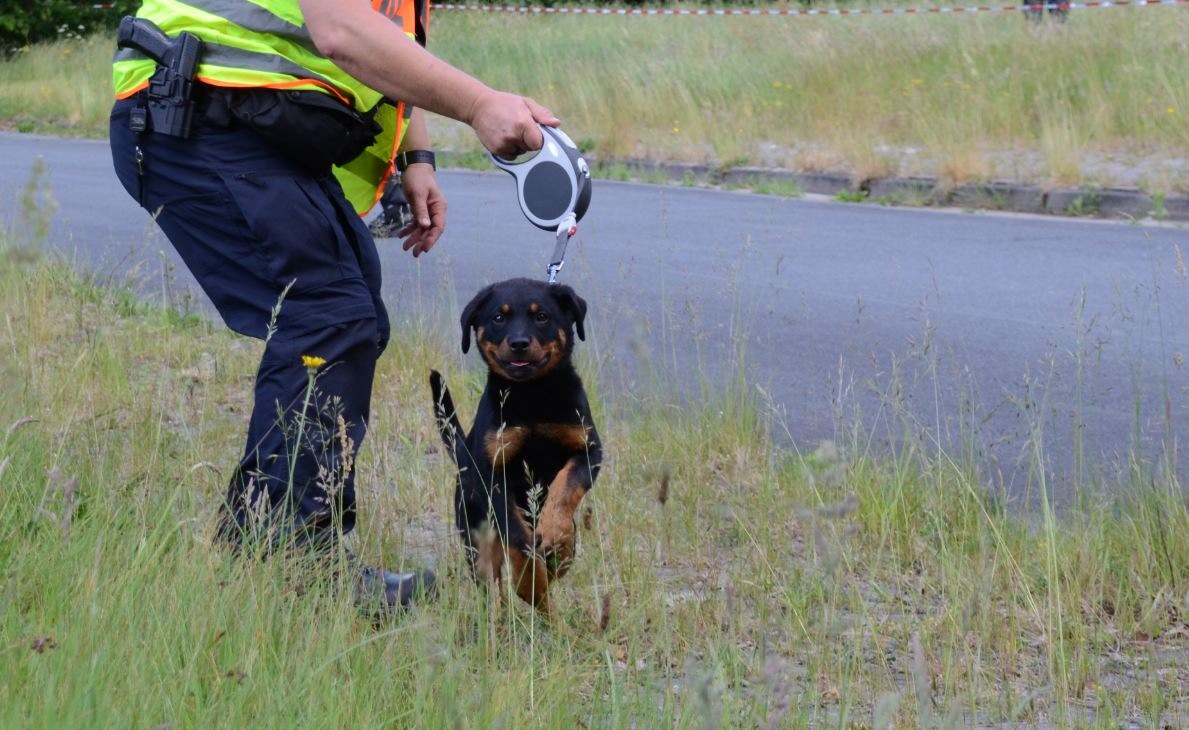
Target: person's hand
<point x="428" y="205"/>
<point x="506" y="124"/>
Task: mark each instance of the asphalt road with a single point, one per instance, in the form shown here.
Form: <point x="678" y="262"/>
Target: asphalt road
<point x="980" y="330"/>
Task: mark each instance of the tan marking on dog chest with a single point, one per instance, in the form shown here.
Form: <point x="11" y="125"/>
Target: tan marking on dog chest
<point x="570" y="436"/>
<point x="504" y="444"/>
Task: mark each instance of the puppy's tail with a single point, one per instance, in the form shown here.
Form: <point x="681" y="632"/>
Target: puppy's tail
<point x="443" y="411"/>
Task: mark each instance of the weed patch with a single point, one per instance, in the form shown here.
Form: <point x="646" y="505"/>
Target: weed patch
<point x="720" y="579"/>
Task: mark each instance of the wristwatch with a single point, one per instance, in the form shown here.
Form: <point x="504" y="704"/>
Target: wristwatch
<point x="404" y="159"/>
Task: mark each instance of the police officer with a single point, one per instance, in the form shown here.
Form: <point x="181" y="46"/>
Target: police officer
<point x="257" y="163"/>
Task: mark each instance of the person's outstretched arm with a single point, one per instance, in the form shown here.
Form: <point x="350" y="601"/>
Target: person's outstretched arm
<point x="374" y="50"/>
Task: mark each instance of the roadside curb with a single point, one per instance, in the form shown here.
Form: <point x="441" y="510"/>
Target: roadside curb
<point x="1100" y="203"/>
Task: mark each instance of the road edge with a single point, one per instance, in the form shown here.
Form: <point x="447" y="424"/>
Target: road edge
<point x="1107" y="203"/>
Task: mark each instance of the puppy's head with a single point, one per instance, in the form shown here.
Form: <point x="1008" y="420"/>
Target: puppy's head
<point x="524" y="328"/>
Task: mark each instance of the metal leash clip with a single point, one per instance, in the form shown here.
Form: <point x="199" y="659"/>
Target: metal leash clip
<point x="565" y="230"/>
<point x="553" y="188"/>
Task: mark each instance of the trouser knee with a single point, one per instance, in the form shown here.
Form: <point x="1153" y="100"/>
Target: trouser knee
<point x="297" y="476"/>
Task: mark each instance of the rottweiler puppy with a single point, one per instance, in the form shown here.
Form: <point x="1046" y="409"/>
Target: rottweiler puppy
<point x="532" y="452"/>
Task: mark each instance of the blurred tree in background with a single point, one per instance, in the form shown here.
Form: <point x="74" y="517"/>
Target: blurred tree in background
<point x="23" y="22"/>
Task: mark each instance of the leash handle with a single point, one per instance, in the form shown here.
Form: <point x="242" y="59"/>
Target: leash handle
<point x="553" y="188"/>
<point x="565" y="231"/>
<point x="551" y="183"/>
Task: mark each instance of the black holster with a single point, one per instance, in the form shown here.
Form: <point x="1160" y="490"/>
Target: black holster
<point x="167" y="103"/>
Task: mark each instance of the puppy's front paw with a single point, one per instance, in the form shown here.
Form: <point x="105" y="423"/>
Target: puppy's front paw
<point x="555" y="544"/>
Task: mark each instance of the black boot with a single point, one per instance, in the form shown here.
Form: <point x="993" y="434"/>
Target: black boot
<point x="395" y="211"/>
<point x="381" y="593"/>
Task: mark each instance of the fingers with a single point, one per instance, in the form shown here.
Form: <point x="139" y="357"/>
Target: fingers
<point x="541" y="114"/>
<point x="506" y="124"/>
<point x="418" y="238"/>
<point x="533" y="139"/>
<point x="420" y="211"/>
<point x="429" y="210"/>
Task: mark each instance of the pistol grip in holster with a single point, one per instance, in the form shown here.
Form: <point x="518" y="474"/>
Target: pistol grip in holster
<point x="169" y="97"/>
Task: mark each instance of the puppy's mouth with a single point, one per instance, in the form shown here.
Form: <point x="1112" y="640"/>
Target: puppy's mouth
<point x="516" y="368"/>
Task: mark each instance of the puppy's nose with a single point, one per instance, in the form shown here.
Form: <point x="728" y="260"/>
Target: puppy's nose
<point x="519" y="343"/>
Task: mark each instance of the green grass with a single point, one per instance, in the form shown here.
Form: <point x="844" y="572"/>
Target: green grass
<point x="847" y="93"/>
<point x="967" y="92"/>
<point x="721" y="580"/>
<point x="850" y="196"/>
<point x="782" y="188"/>
<point x="59" y="87"/>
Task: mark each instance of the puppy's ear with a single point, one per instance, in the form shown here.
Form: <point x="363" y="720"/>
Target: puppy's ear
<point x="573" y="305"/>
<point x="468" y="315"/>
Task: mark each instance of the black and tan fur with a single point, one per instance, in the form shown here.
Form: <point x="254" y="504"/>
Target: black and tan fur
<point x="532" y="452"/>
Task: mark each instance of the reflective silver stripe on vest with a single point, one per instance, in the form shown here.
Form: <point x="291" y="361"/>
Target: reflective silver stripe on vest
<point x="251" y="17"/>
<point x="255" y="18"/>
<point x="218" y="54"/>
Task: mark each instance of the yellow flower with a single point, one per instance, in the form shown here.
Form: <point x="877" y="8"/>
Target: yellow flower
<point x="312" y="361"/>
<point x="1171" y="110"/>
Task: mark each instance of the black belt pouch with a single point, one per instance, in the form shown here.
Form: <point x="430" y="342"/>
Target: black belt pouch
<point x="313" y="129"/>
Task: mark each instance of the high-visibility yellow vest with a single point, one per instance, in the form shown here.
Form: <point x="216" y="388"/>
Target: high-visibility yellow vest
<point x="265" y="43"/>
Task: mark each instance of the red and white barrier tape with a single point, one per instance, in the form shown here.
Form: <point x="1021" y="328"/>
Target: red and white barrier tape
<point x="719" y="12"/>
<point x="536" y="9"/>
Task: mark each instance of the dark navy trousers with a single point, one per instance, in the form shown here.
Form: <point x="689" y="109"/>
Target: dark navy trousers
<point x="252" y="226"/>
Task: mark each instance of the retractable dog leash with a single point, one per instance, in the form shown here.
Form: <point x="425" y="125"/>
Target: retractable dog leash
<point x="553" y="189"/>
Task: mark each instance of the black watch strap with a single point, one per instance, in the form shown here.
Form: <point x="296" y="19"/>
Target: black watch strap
<point x="404" y="159"/>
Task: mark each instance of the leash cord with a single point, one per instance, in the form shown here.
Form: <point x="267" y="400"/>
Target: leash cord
<point x="565" y="230"/>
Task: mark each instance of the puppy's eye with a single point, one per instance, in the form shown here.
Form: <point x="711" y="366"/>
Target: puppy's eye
<point x="499" y="318"/>
<point x="542" y="317"/>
